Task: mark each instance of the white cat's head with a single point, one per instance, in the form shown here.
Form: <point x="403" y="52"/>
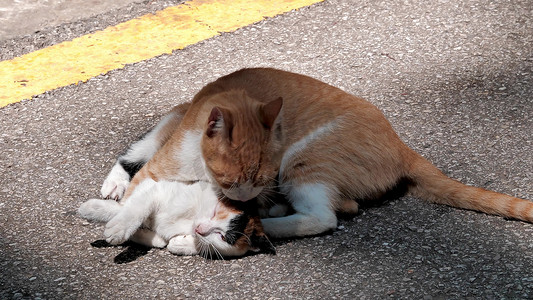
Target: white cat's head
<point x="232" y="230"/>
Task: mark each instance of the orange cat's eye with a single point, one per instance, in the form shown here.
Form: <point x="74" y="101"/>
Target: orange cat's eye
<point x="222" y="237"/>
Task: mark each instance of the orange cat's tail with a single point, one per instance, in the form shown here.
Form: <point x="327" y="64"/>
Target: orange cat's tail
<point x="430" y="184"/>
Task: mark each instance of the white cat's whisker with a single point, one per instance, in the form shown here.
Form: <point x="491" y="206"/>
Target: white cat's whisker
<point x="203" y="251"/>
<point x="202" y="246"/>
<point x="266" y="236"/>
<point x="207" y="251"/>
<point x="246" y="236"/>
<point x="217" y="252"/>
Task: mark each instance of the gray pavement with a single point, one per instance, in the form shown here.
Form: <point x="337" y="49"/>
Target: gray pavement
<point x="455" y="78"/>
<point x="18" y="18"/>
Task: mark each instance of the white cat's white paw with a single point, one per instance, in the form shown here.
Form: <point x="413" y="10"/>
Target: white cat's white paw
<point x="89" y="209"/>
<point x="120" y="228"/>
<point x="99" y="210"/>
<point x="182" y="245"/>
<point x="116" y="183"/>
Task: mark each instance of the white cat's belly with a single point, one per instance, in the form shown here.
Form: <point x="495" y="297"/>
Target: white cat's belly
<point x="170" y="229"/>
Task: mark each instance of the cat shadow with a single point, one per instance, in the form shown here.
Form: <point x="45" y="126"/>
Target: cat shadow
<point x="132" y="252"/>
<point x="392" y="194"/>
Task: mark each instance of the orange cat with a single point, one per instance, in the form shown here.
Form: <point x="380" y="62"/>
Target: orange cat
<point x="326" y="148"/>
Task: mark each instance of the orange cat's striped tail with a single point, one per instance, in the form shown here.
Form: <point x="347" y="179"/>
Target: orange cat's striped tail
<point x="431" y="184"/>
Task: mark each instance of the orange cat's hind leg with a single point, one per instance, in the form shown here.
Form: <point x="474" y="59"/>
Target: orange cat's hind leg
<point x="314" y="213"/>
<point x="348" y="207"/>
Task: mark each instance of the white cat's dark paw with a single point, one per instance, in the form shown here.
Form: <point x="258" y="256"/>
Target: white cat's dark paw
<point x="116" y="183"/>
<point x="120" y="229"/>
<point x="182" y="245"/>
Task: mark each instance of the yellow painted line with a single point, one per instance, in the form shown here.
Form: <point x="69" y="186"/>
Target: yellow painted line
<point x="130" y="42"/>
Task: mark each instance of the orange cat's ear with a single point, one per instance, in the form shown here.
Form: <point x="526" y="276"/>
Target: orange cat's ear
<point x="270" y="111"/>
<point x="219" y="121"/>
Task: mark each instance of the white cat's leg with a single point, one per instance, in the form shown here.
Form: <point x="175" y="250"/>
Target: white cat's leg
<point x="136" y="210"/>
<point x="129" y="163"/>
<point x="116" y="182"/>
<point x="182" y="245"/>
<point x="313" y="212"/>
<point x="123" y="226"/>
<point x="148" y="238"/>
<point x="139" y="153"/>
<point x="99" y="210"/>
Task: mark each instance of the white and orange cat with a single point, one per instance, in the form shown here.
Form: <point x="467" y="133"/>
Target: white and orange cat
<point x="323" y="148"/>
<point x="187" y="219"/>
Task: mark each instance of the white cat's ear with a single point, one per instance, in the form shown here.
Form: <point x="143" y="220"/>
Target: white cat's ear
<point x="270" y="111"/>
<point x="219" y="121"/>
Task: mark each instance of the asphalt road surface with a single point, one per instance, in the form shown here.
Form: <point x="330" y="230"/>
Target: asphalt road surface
<point x="455" y="78"/>
<point x="18" y="18"/>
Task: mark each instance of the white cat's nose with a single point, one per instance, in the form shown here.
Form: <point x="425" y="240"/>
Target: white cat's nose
<point x="202" y="229"/>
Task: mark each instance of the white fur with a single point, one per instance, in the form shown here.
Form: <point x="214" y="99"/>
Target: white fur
<point x="311" y="201"/>
<point x="118" y="180"/>
<point x="149" y="238"/>
<point x="99" y="210"/>
<point x="169" y="213"/>
<point x="116" y="183"/>
<point x="295" y="149"/>
<point x="313" y="215"/>
<point x="182" y="245"/>
<point x="145" y="148"/>
<point x="137" y="209"/>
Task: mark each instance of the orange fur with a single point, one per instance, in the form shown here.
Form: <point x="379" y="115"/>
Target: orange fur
<point x="348" y="145"/>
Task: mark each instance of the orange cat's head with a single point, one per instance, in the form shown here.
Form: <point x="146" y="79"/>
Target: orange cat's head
<point x="241" y="144"/>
